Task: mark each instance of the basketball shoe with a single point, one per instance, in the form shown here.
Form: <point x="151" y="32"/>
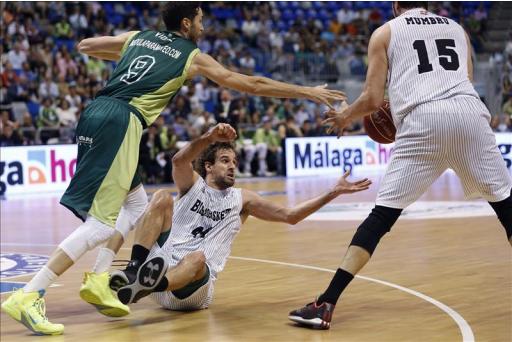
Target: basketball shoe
<point x="95" y="291"/>
<point x="316" y="316"/>
<point x="148" y="277"/>
<point x="29" y="309"/>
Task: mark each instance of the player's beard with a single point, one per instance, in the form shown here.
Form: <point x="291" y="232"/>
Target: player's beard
<point x="224" y="182"/>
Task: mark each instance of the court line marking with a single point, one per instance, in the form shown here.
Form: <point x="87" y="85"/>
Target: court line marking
<point x="465" y="329"/>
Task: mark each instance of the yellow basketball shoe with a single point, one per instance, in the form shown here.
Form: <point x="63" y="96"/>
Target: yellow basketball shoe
<point x="29" y="309"/>
<point x="95" y="291"/>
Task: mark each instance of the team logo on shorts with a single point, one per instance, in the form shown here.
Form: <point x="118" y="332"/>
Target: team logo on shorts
<point x="17" y="264"/>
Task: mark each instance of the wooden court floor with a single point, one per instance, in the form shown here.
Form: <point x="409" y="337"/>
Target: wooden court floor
<point x="429" y="280"/>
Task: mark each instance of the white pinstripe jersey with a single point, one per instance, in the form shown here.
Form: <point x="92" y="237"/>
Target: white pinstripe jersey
<point x="427" y="57"/>
<point x="205" y="219"/>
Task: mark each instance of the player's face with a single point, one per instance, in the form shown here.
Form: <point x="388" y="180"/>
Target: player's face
<point x="196" y="29"/>
<point x="223" y="170"/>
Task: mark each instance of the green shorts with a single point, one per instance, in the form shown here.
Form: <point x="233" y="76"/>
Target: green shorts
<point x="108" y="136"/>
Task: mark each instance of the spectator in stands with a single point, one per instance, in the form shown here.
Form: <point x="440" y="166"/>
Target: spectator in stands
<point x="73" y="98"/>
<point x="10" y="137"/>
<point x="17" y="57"/>
<point x="27" y="129"/>
<point x="63" y="29"/>
<point x="267" y="142"/>
<point x="78" y="21"/>
<point x="66" y="113"/>
<point x="224" y="111"/>
<point x="48" y="88"/>
<point x="246" y="150"/>
<point x="247" y="63"/>
<point x="48" y="121"/>
<point x="307" y="128"/>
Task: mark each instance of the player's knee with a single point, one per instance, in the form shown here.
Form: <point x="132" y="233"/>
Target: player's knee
<point x="86" y="237"/>
<point x="197" y="259"/>
<point x="376" y="225"/>
<point x="162" y="201"/>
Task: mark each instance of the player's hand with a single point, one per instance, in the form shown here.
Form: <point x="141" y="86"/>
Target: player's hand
<point x="345" y="187"/>
<point x="320" y="94"/>
<point x="337" y="120"/>
<point x="222" y="132"/>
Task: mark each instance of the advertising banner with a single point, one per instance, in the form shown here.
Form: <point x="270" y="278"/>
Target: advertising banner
<point x="328" y="155"/>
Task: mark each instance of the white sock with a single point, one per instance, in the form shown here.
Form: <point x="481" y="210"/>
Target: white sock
<point x="44" y="278"/>
<point x="104" y="260"/>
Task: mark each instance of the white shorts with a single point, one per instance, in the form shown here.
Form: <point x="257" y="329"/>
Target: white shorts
<point x="198" y="300"/>
<point x="439" y="135"/>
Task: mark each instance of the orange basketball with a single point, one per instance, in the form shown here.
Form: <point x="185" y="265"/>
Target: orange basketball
<point x="379" y="125"/>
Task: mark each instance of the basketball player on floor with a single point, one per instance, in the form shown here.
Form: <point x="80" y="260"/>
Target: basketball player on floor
<point x="152" y="67"/>
<point x="179" y="263"/>
<point x="441" y="123"/>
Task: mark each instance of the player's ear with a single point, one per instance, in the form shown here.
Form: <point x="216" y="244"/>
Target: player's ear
<point x="186" y="23"/>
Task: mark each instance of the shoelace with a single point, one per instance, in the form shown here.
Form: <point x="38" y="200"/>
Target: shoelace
<point x="40" y="309"/>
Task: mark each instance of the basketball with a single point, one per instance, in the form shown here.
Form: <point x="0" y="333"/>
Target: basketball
<point x="379" y="125"/>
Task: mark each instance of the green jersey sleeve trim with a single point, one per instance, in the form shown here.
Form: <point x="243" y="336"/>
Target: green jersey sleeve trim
<point x="127" y="42"/>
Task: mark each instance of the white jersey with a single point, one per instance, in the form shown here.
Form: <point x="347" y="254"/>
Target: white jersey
<point x="427" y="57"/>
<point x="205" y="219"/>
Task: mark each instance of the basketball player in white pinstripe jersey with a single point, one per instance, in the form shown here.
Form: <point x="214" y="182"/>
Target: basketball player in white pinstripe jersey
<point x="206" y="217"/>
<point x="441" y="123"/>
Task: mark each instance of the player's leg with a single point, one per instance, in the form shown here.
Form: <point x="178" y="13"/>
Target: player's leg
<point x="184" y="279"/>
<point x="480" y="166"/>
<point x="108" y="140"/>
<point x="414" y="166"/>
<point x="95" y="288"/>
<point x="189" y="285"/>
<point x="154" y="226"/>
<point x="504" y="211"/>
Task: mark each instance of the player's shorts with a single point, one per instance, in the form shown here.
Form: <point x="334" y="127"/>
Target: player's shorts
<point x="108" y="136"/>
<point x="200" y="299"/>
<point x="455" y="134"/>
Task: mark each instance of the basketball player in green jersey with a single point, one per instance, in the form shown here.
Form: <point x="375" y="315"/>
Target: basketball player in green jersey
<point x="152" y="67"/>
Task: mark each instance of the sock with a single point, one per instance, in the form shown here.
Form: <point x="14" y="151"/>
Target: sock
<point x="338" y="283"/>
<point x="162" y="285"/>
<point x="139" y="253"/>
<point x="104" y="260"/>
<point x="44" y="278"/>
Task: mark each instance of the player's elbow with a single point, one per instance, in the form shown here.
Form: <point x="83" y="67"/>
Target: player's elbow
<point x="84" y="46"/>
<point x="292" y="218"/>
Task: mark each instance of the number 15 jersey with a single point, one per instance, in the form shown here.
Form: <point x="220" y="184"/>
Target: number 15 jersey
<point x="427" y="57"/>
<point x="152" y="68"/>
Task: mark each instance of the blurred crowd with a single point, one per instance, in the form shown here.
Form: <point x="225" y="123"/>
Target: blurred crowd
<point x="46" y="83"/>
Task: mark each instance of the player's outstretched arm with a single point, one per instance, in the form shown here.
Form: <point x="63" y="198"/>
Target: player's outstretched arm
<point x="264" y="209"/>
<point x="106" y="47"/>
<point x="183" y="172"/>
<point x="375" y="85"/>
<point x="205" y="65"/>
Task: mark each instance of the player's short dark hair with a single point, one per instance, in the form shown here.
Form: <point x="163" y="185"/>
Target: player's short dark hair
<point x="413" y="4"/>
<point x="208" y="156"/>
<point x="175" y="11"/>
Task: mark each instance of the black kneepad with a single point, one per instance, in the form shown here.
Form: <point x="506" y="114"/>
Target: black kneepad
<point x="504" y="211"/>
<point x="378" y="223"/>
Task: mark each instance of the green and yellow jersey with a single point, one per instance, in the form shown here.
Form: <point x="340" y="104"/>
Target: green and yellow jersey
<point x="152" y="68"/>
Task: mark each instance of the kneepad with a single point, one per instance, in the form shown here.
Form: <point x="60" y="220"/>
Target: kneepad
<point x="504" y="211"/>
<point x="87" y="236"/>
<point x="376" y="225"/>
<point x="133" y="208"/>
